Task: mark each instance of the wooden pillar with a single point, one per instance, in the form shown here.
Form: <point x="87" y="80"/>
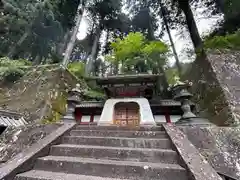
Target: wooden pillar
<point x="92" y="118"/>
<point x="167" y="116"/>
<point x="78" y="115"/>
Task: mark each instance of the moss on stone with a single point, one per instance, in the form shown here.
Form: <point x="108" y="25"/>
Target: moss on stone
<point x="32" y="95"/>
<point x="58" y="102"/>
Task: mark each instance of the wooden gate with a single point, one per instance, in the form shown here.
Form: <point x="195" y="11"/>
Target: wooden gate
<point x="127" y="114"/>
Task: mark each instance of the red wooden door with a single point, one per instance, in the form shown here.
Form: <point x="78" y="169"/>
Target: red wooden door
<point x="127" y="114"/>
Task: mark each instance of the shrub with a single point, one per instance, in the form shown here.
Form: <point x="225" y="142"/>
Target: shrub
<point x="58" y="109"/>
<point x="6" y="62"/>
<point x="92" y="94"/>
<point x="11" y="74"/>
<point x="12" y="70"/>
<point x="77" y="68"/>
<point x="230" y="41"/>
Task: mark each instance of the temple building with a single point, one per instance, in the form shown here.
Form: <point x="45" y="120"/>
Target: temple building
<point x="132" y="100"/>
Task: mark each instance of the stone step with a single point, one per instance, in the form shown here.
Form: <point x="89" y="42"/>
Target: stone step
<point x="118" y="142"/>
<point x="111" y="133"/>
<point x="47" y="175"/>
<point x="116" y="153"/>
<point x="112" y="169"/>
<point x="118" y="128"/>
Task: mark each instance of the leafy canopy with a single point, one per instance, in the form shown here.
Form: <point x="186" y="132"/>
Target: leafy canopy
<point x="77" y="68"/>
<point x="136" y="51"/>
<point x="128" y="47"/>
<point x="135" y="44"/>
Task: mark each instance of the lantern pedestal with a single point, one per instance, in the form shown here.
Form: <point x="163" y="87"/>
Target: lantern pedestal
<point x="73" y="99"/>
<point x="181" y="93"/>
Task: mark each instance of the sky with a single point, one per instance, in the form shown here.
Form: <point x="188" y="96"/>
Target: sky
<point x="205" y="25"/>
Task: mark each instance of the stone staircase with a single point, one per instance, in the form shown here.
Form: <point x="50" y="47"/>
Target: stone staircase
<point x="104" y="153"/>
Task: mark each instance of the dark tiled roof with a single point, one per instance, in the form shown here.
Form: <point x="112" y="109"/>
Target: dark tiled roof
<point x="166" y="102"/>
<point x="90" y="104"/>
<point x="138" y="78"/>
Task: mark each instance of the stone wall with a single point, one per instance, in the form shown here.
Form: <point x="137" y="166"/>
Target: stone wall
<point x="40" y="94"/>
<point x="219" y="145"/>
<point x="15" y="140"/>
<point x="216" y="86"/>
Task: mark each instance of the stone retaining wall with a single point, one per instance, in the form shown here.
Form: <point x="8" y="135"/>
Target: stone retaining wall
<point x="15" y="140"/>
<point x="216" y="86"/>
<point x="219" y="145"/>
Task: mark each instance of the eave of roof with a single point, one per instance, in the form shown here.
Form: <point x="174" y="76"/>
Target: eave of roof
<point x="90" y="104"/>
<point x="126" y="78"/>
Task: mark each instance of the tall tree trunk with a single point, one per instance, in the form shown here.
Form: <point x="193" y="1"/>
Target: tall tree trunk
<point x="116" y="68"/>
<point x="37" y="60"/>
<point x="91" y="60"/>
<point x="12" y="51"/>
<point x="24" y="37"/>
<point x="220" y="5"/>
<point x="150" y="28"/>
<point x="191" y="23"/>
<point x="163" y="13"/>
<point x="71" y="43"/>
<point x="164" y="75"/>
<point x="152" y="38"/>
<point x="1" y="4"/>
<point x="63" y="43"/>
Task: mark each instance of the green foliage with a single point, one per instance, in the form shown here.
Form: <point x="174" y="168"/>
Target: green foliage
<point x="135" y="52"/>
<point x="6" y="62"/>
<point x="155" y="47"/>
<point x="172" y="75"/>
<point x="104" y="10"/>
<point x="10" y="74"/>
<point x="35" y="29"/>
<point x="58" y="109"/>
<point x="231" y="8"/>
<point x="77" y="68"/>
<point x="93" y="94"/>
<point x="128" y="47"/>
<point x="230" y="41"/>
<point x="12" y="70"/>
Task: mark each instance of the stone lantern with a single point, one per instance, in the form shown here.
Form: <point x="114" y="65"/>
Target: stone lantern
<point x="181" y="93"/>
<point x="74" y="97"/>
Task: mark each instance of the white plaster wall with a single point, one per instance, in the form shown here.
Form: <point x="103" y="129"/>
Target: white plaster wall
<point x="146" y="116"/>
<point x="174" y="118"/>
<point x="160" y="118"/>
<point x="85" y="119"/>
<point x="96" y="119"/>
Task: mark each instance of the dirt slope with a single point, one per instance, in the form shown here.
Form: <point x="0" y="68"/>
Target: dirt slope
<point x="40" y="94"/>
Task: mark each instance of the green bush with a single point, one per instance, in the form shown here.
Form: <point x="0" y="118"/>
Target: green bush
<point x="11" y="74"/>
<point x="12" y="70"/>
<point x="92" y="94"/>
<point x="77" y="68"/>
<point x="6" y="62"/>
<point x="172" y="74"/>
<point x="230" y="41"/>
<point x="58" y="109"/>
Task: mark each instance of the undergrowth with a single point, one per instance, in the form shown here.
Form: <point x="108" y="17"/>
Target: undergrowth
<point x="12" y="70"/>
<point x="230" y="41"/>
